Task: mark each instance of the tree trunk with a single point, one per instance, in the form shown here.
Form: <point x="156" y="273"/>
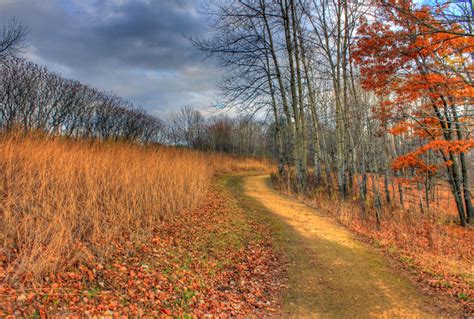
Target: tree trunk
<point x="387" y="191"/>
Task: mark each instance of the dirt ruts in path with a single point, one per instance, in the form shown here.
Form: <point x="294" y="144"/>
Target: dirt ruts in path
<point x="331" y="274"/>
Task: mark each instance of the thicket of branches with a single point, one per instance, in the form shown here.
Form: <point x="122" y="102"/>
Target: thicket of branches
<point x="32" y="98"/>
<point x="369" y="99"/>
<point x="12" y="38"/>
<point x="242" y="135"/>
<point x="35" y="99"/>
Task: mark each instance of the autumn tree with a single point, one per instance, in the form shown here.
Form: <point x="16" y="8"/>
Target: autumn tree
<point x="421" y="67"/>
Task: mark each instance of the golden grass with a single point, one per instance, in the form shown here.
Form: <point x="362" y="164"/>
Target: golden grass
<point x="222" y="163"/>
<point x="64" y="202"/>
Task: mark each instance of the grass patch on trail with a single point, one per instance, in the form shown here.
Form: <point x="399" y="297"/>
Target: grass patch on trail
<point x="296" y="262"/>
<point x="257" y="213"/>
<point x="219" y="259"/>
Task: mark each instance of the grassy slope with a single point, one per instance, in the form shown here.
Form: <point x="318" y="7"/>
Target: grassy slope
<point x="215" y="260"/>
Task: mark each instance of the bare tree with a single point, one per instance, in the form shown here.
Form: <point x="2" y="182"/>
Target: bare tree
<point x="12" y="38"/>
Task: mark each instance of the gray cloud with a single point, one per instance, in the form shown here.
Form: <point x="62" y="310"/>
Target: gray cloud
<point x="136" y="48"/>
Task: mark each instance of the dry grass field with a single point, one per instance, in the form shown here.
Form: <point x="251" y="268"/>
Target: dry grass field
<point x="63" y="202"/>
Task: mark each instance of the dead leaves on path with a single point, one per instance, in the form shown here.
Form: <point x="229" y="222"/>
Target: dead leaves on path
<point x="213" y="261"/>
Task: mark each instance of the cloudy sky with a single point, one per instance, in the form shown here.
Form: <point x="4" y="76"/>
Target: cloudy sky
<point x="136" y="48"/>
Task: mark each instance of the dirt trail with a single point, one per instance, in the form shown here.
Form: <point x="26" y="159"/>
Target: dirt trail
<point x="331" y="274"/>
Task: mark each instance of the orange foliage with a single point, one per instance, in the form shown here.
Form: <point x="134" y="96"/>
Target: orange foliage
<point x="400" y="128"/>
<point x="413" y="159"/>
<point x="418" y="72"/>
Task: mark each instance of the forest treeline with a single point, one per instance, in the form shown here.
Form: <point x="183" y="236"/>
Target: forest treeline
<point x="32" y="98"/>
<point x="368" y="98"/>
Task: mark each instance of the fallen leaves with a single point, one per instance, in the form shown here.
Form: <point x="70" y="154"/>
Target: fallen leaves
<point x="210" y="261"/>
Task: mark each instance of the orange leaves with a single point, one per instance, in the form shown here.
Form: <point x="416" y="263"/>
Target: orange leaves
<point x="191" y="265"/>
<point x="421" y="75"/>
<point x="413" y="159"/>
<point x="399" y="129"/>
<point x="455" y="147"/>
<point x="398" y="54"/>
<point x="86" y="271"/>
<point x="458" y="147"/>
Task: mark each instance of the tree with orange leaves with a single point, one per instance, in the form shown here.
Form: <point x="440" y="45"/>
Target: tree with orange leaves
<point x="422" y="68"/>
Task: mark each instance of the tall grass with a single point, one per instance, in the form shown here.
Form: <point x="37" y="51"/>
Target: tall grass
<point x="65" y="201"/>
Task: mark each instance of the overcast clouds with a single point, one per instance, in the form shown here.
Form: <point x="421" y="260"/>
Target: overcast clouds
<point x="135" y="48"/>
